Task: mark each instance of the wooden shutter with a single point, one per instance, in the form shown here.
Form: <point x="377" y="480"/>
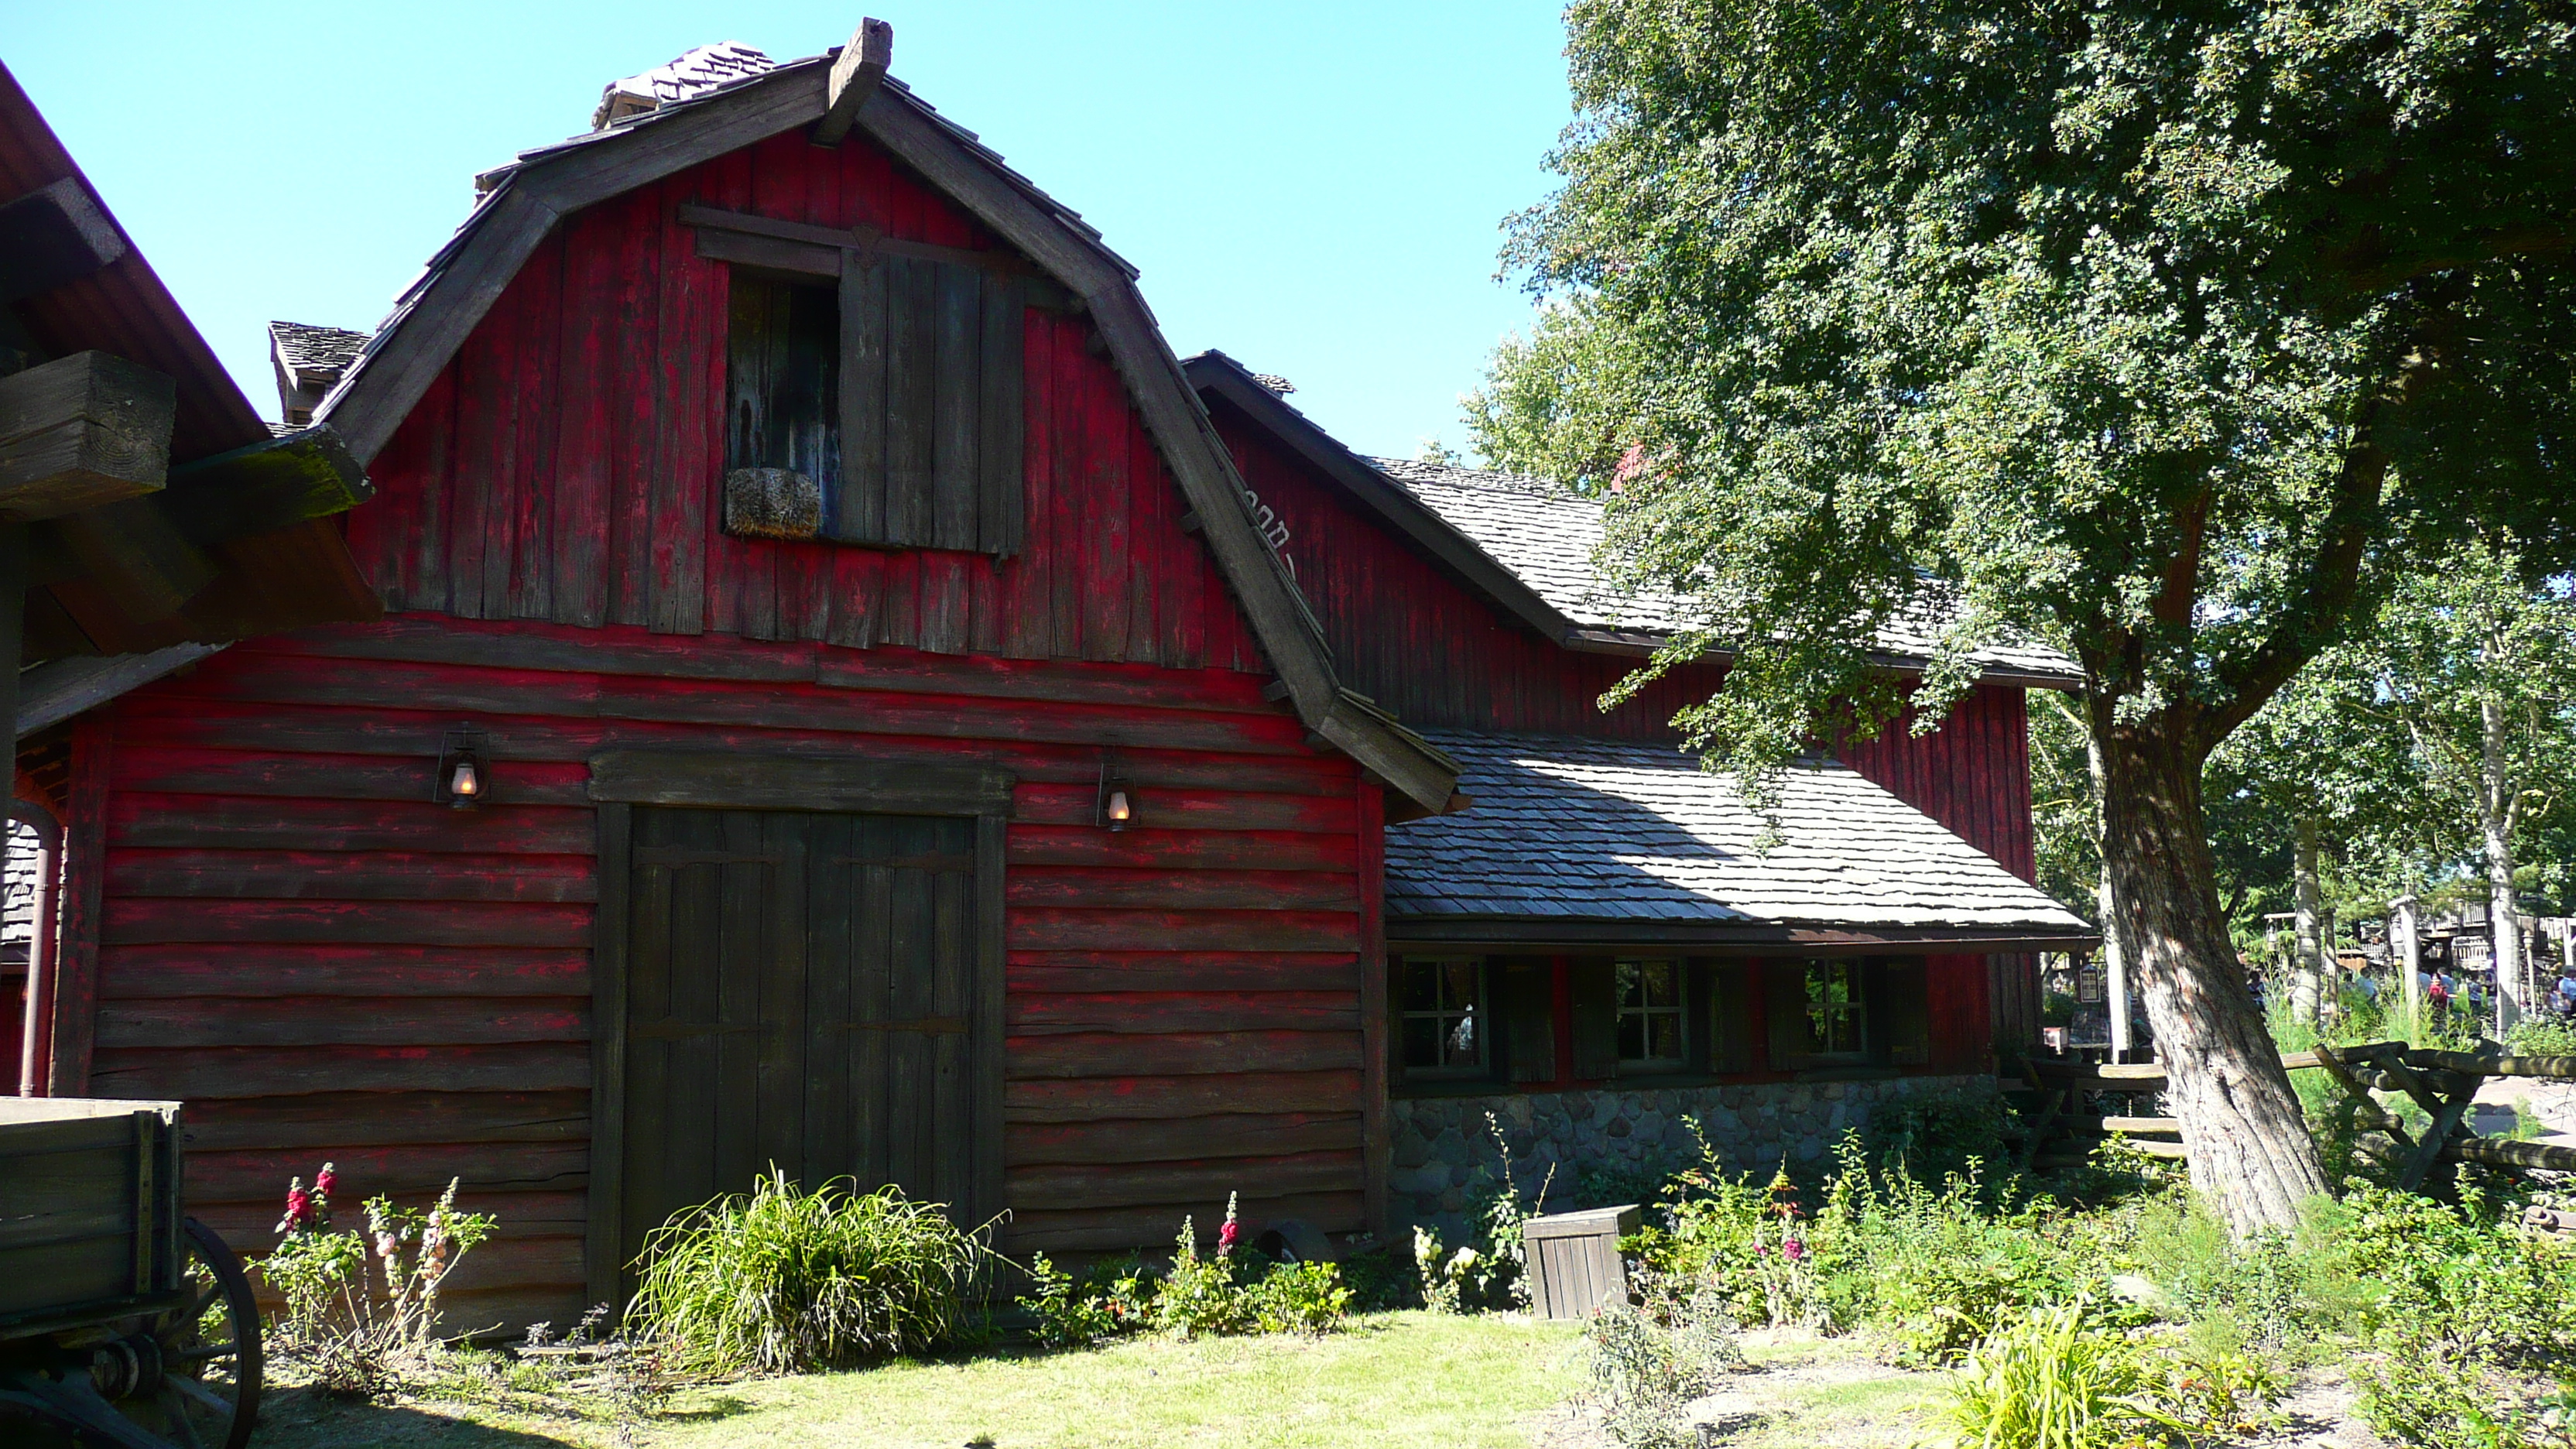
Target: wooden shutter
<point x="1596" y="1020"/>
<point x="1784" y="1011"/>
<point x="1904" y="1005"/>
<point x="1730" y="1035"/>
<point x="931" y="409"/>
<point x="1528" y="1001"/>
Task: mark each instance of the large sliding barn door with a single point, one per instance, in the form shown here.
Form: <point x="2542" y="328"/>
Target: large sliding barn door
<point x="800" y="991"/>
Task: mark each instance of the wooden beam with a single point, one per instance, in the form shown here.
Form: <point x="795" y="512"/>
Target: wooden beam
<point x="52" y="235"/>
<point x="53" y="692"/>
<point x="82" y="431"/>
<point x="796" y="782"/>
<point x="272" y="484"/>
<point x="2505" y="1152"/>
<point x="855" y="73"/>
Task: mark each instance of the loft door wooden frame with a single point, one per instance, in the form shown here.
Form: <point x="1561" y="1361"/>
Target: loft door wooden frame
<point x="623" y="779"/>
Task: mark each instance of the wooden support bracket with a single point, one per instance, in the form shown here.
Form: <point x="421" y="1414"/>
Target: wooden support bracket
<point x="82" y="431"/>
<point x="855" y="73"/>
<point x="52" y="235"/>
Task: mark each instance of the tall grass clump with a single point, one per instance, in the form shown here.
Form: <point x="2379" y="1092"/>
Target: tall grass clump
<point x="785" y="1280"/>
<point x="2046" y="1379"/>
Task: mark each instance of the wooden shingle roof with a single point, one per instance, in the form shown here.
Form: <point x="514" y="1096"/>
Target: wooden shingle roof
<point x="1637" y="838"/>
<point x="1546" y="537"/>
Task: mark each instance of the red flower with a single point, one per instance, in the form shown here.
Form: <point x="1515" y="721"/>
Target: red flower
<point x="1227" y="1236"/>
<point x="325" y="1180"/>
<point x="299" y="1207"/>
<point x="1793" y="1250"/>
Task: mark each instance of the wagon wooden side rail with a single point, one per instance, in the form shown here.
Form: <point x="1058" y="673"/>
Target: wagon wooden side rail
<point x="122" y="1320"/>
<point x="2443" y="1083"/>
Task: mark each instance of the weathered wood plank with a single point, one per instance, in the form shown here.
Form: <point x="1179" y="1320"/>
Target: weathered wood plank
<point x="340" y="777"/>
<point x="146" y="819"/>
<point x="149" y="920"/>
<point x="416" y="1167"/>
<point x="1032" y="1229"/>
<point x="1161" y="1012"/>
<point x="1051" y="971"/>
<point x="1105" y="1054"/>
<point x="1036" y="928"/>
<point x="387" y="875"/>
<point x="1068" y="1186"/>
<point x="264" y="1072"/>
<point x="82" y="431"/>
<point x="1103" y="1098"/>
<point x="1175" y="1139"/>
<point x="340" y="1021"/>
<point x="1183" y="889"/>
<point x="1176" y="850"/>
<point x="386" y="1119"/>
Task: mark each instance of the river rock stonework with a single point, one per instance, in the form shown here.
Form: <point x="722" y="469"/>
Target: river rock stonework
<point x="1441" y="1144"/>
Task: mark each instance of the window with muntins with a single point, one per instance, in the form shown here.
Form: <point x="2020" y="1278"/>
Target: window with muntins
<point x="1441" y="1002"/>
<point x="1835" y="1009"/>
<point x="1650" y="1016"/>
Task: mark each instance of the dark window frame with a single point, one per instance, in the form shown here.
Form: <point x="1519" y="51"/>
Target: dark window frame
<point x="1478" y="1016"/>
<point x="1645" y="1013"/>
<point x="1856" y="976"/>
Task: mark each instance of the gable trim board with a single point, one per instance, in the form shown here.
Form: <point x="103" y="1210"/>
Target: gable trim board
<point x="434" y="317"/>
<point x="1370" y="483"/>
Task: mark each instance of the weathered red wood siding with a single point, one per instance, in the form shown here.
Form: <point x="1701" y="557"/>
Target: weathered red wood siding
<point x="325" y="964"/>
<point x="1408" y="634"/>
<point x="566" y="464"/>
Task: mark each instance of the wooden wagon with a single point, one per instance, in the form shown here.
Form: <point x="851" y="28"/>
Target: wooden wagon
<point x="122" y="1321"/>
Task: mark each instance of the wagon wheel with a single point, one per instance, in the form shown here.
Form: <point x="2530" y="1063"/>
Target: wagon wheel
<point x="190" y="1377"/>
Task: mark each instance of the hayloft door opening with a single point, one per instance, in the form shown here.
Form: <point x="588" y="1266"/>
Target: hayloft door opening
<point x="800" y="990"/>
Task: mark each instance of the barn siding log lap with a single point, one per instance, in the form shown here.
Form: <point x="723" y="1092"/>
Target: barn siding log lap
<point x="329" y="965"/>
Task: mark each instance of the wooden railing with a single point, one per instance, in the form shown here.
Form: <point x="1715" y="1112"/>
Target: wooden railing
<point x="2444" y="1084"/>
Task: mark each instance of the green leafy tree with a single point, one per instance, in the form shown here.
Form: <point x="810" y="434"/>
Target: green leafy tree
<point x="2162" y="333"/>
<point x="2474" y="670"/>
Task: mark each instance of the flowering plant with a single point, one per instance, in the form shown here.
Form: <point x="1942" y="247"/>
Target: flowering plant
<point x="332" y="1316"/>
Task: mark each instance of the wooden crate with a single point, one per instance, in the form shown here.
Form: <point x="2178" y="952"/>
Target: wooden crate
<point x="1574" y="1262"/>
<point x="89" y="1204"/>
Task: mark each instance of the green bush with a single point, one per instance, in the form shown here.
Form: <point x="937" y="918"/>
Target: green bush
<point x="2472" y="1313"/>
<point x="1233" y="1291"/>
<point x="1646" y="1366"/>
<point x="2543" y="1036"/>
<point x="785" y="1280"/>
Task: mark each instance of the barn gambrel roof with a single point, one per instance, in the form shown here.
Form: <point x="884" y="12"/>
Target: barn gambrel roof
<point x="526" y="199"/>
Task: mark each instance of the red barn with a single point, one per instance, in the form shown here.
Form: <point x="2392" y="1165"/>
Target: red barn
<point x="848" y="699"/>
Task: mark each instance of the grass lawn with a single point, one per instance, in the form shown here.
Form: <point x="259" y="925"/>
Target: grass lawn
<point x="1391" y="1380"/>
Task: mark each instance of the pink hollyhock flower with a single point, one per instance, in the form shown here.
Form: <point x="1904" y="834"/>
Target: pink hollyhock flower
<point x="299" y="1205"/>
<point x="1793" y="1250"/>
<point x="1227" y="1237"/>
<point x="325" y="1180"/>
<point x="1762" y="1250"/>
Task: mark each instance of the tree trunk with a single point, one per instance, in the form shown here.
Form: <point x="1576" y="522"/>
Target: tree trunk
<point x="2250" y="1151"/>
<point x="2115" y="957"/>
<point x="2308" y="971"/>
<point x="2495" y="825"/>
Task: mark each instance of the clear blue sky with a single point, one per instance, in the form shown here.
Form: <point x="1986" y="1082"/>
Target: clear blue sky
<point x="1316" y="189"/>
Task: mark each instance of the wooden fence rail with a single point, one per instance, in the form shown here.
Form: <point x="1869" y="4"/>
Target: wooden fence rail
<point x="2444" y="1084"/>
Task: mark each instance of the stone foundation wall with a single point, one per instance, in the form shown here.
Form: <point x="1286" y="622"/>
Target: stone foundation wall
<point x="1440" y="1143"/>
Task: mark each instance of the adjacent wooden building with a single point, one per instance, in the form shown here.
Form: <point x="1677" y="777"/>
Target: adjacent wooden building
<point x="845" y="699"/>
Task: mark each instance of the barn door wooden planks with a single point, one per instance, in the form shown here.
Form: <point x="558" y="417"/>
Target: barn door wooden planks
<point x="801" y="990"/>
